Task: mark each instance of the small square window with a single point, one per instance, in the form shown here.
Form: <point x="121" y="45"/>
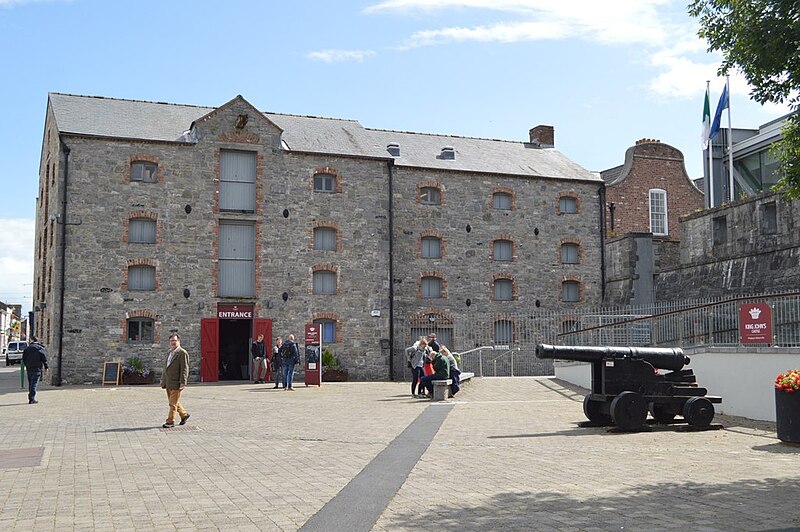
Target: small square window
<point x="570" y="291"/>
<point x="145" y="172"/>
<point x="324" y="183"/>
<point x="325" y="238"/>
<point x="140" y="330"/>
<point x="502" y="201"/>
<point x="431" y="247"/>
<point x="503" y="290"/>
<point x="569" y="253"/>
<point x="324" y="282"/>
<point x="141" y="278"/>
<point x="142" y="231"/>
<point x="568" y="205"/>
<point x="431" y="288"/>
<point x="328" y="330"/>
<point x="430" y="196"/>
<point x="502" y="250"/>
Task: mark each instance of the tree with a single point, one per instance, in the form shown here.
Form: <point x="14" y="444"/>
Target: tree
<point x="761" y="38"/>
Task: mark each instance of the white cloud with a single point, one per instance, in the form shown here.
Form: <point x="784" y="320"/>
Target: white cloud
<point x="338" y="56"/>
<point x="16" y="261"/>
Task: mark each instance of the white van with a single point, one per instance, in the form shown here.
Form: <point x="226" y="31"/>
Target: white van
<point x="14" y="352"/>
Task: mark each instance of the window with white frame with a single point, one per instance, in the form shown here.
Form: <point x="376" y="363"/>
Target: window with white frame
<point x="144" y="171"/>
<point x="501" y="250"/>
<point x="142" y="231"/>
<point x="569" y="253"/>
<point x="431" y="247"/>
<point x="140" y="330"/>
<point x="325" y="238"/>
<point x="141" y="277"/>
<point x="327" y="330"/>
<point x="503" y="290"/>
<point x="430" y="196"/>
<point x="237" y="180"/>
<point x="658" y="211"/>
<point x="431" y="287"/>
<point x="570" y="291"/>
<point x="324" y="282"/>
<point x="324" y="183"/>
<point x="502" y="201"/>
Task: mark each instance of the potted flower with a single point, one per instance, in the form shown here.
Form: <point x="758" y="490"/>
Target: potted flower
<point x="332" y="370"/>
<point x="787" y="406"/>
<point x="134" y="371"/>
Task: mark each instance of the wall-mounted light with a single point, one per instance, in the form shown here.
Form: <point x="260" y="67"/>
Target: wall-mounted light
<point x="186" y="292"/>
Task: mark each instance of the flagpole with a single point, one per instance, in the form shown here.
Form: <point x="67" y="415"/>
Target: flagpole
<point x="710" y="160"/>
<point x="730" y="139"/>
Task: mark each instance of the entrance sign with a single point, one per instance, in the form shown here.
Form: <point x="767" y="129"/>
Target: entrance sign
<point x="313" y="355"/>
<point x="111" y="371"/>
<point x="755" y="323"/>
<point x="229" y="311"/>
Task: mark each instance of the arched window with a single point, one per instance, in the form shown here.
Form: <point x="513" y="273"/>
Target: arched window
<point x="501" y="201"/>
<point x="140" y="330"/>
<point x="502" y="250"/>
<point x="503" y="332"/>
<point x="503" y="290"/>
<point x="141" y="277"/>
<point x="142" y="231"/>
<point x="327" y="330"/>
<point x="431" y="287"/>
<point x="324" y="282"/>
<point x="570" y="291"/>
<point x="431" y="247"/>
<point x="324" y="182"/>
<point x="569" y="253"/>
<point x="430" y="196"/>
<point x="325" y="238"/>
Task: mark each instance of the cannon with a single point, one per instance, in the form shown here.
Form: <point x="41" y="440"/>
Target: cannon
<point x="626" y="384"/>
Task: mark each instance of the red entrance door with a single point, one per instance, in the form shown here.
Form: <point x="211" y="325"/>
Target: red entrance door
<point x="209" y="350"/>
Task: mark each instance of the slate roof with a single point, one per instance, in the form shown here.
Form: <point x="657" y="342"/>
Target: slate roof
<point x="159" y="121"/>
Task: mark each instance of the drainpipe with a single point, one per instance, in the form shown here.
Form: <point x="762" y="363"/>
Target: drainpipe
<point x="601" y="192"/>
<point x="390" y="165"/>
<point x="65" y="148"/>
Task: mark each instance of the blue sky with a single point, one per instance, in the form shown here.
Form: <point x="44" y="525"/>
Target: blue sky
<point x="604" y="74"/>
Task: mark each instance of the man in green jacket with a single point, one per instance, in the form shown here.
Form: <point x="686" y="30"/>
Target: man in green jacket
<point x="441" y="371"/>
<point x="174" y="379"/>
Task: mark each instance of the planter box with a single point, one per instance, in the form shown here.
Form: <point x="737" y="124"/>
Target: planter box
<point x="138" y="379"/>
<point x="787" y="415"/>
<point x="334" y="375"/>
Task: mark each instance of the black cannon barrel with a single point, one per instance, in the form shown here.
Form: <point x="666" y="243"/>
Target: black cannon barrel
<point x="671" y="358"/>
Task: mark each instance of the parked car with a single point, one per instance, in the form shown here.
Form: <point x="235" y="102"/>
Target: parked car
<point x="14" y="352"/>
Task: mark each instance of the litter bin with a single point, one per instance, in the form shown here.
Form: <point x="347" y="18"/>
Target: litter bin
<point x="787" y="415"/>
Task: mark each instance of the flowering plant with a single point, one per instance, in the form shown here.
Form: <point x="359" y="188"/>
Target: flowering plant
<point x="788" y="381"/>
<point x="135" y="366"/>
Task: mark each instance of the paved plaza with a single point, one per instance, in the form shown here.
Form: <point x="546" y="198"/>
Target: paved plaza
<point x="505" y="454"/>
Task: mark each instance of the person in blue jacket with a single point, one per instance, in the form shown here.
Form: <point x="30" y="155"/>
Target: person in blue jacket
<point x="290" y="357"/>
<point x="35" y="358"/>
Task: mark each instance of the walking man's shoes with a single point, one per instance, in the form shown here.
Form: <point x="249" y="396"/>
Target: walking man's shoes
<point x="168" y="425"/>
<point x="184" y="419"/>
<point x="32" y="401"/>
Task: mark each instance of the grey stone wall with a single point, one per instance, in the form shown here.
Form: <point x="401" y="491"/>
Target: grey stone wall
<point x="753" y="258"/>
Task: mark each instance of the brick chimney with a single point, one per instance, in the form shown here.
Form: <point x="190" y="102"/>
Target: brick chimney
<point x="543" y="136"/>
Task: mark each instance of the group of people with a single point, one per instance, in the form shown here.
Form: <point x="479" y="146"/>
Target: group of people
<point x="441" y="364"/>
<point x="281" y="362"/>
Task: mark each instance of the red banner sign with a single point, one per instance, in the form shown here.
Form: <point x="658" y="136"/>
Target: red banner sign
<point x="312" y="334"/>
<point x="755" y="323"/>
<point x="227" y="311"/>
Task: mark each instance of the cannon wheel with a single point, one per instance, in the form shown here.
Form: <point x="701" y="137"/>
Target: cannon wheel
<point x="629" y="411"/>
<point x="663" y="413"/>
<point x="698" y="411"/>
<point x="594" y="413"/>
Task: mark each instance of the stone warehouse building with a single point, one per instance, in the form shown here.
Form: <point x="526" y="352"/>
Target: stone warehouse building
<point x="223" y="223"/>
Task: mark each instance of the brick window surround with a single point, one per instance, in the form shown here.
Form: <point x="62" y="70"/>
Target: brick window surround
<point x="337" y="178"/>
